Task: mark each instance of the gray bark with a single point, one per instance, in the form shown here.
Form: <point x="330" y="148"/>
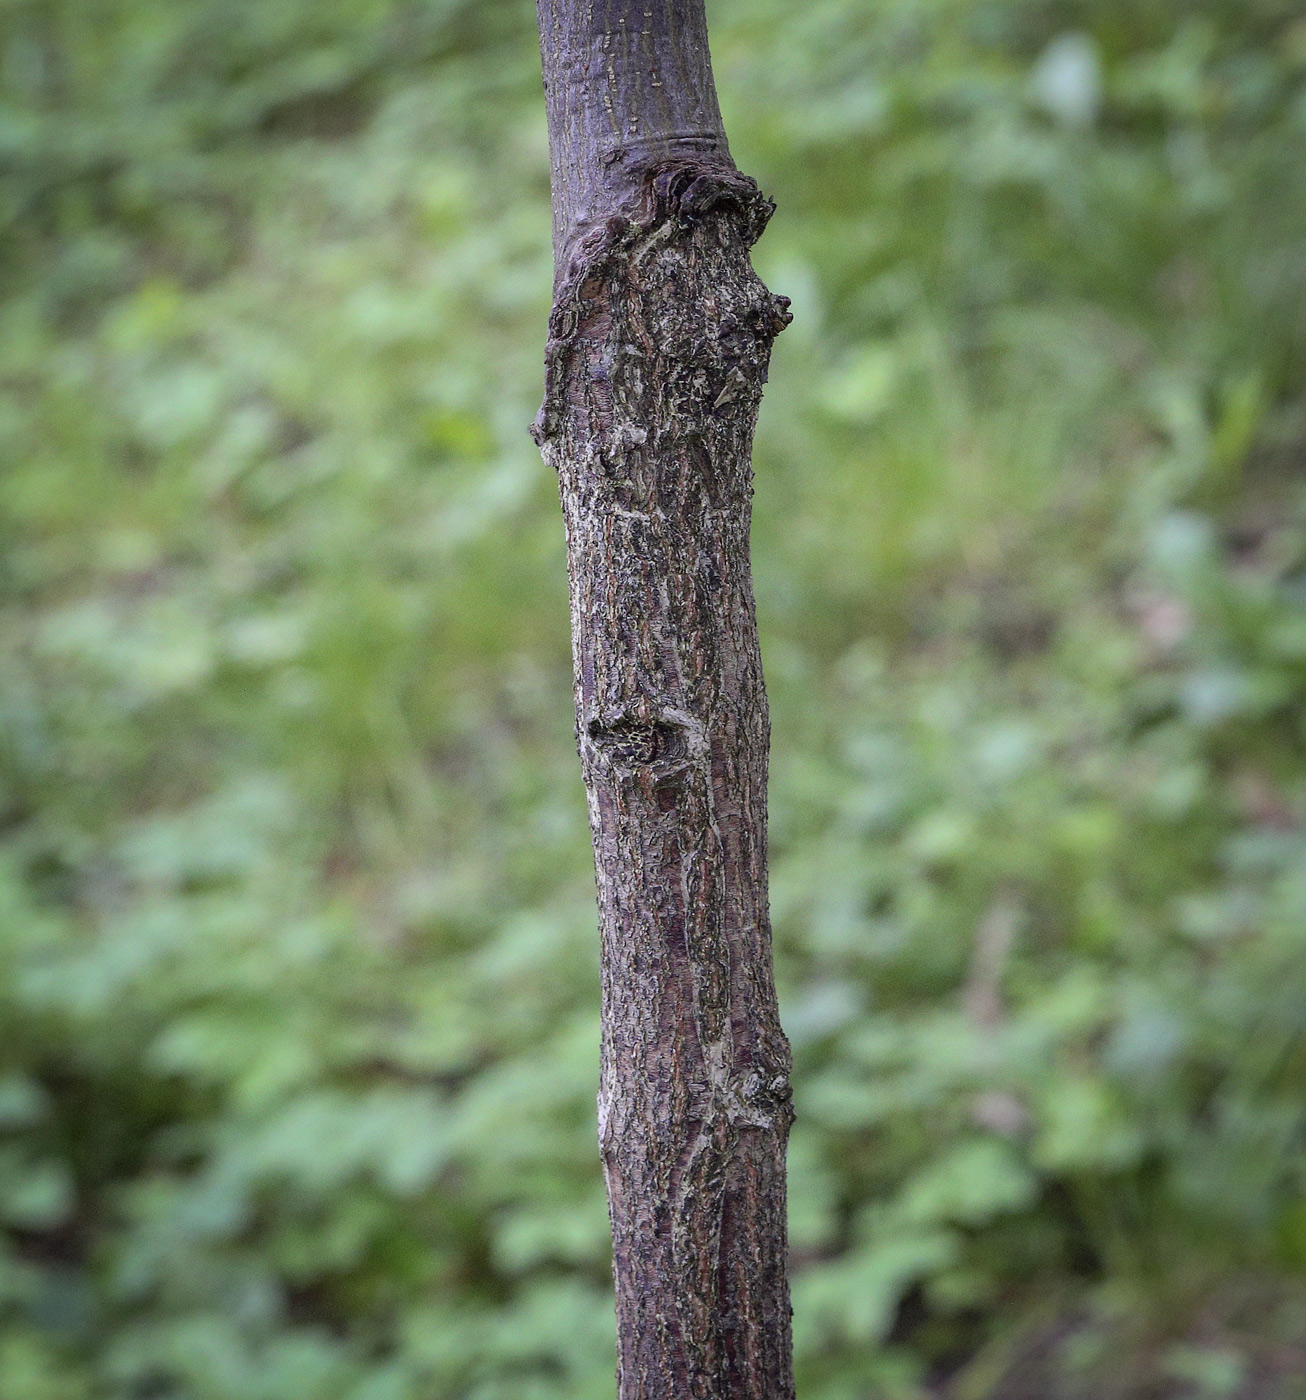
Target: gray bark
<point x="658" y="348"/>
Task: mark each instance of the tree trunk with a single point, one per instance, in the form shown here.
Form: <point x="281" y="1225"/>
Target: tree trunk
<point x="658" y="348"/>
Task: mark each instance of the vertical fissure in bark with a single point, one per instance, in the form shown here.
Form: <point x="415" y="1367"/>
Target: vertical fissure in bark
<point x="657" y="352"/>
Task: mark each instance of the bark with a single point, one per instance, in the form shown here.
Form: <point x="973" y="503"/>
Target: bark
<point x="658" y="348"/>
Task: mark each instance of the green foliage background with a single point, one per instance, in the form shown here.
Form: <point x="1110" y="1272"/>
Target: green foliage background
<point x="298" y="1025"/>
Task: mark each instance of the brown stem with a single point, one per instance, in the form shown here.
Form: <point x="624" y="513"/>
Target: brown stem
<point x="658" y="348"/>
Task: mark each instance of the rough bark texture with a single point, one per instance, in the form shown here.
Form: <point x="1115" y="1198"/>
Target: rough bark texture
<point x="657" y="353"/>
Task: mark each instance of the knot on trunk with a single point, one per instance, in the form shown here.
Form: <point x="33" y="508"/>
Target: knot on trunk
<point x="643" y="738"/>
<point x="665" y="207"/>
<point x="762" y="1101"/>
<point x="685" y="188"/>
